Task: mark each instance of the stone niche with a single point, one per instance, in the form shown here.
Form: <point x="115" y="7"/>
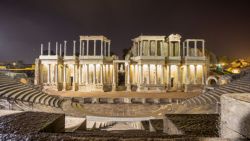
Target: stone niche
<point x="235" y="116"/>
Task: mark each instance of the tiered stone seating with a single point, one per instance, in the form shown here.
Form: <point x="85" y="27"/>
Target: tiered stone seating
<point x="241" y="85"/>
<point x="16" y="91"/>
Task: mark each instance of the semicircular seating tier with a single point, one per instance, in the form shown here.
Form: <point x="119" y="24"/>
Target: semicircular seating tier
<point x="13" y="90"/>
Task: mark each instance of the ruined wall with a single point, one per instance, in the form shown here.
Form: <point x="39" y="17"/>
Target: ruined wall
<point x="235" y="116"/>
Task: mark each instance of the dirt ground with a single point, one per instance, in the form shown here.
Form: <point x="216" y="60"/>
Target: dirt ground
<point x="123" y="94"/>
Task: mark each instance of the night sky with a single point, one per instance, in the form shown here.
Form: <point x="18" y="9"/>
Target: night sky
<point x="25" y="24"/>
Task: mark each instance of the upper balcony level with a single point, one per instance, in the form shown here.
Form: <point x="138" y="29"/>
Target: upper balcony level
<point x="89" y="47"/>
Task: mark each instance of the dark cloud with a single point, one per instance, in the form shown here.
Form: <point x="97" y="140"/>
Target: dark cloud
<point x="27" y="23"/>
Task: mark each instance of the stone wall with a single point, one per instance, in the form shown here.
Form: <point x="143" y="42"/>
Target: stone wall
<point x="235" y="116"/>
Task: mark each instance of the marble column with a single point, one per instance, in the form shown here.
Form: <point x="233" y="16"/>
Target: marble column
<point x="56" y="48"/>
<point x="94" y="74"/>
<point x="94" y="47"/>
<point x="87" y="47"/>
<point x="203" y="75"/>
<point x="148" y="79"/>
<point x="141" y="48"/>
<point x="101" y="74"/>
<point x="83" y="49"/>
<point x="41" y="49"/>
<point x="74" y="78"/>
<point x="134" y="74"/>
<point x="156" y="49"/>
<point x="56" y="73"/>
<point x="104" y="73"/>
<point x="170" y="49"/>
<point x="156" y="74"/>
<point x="178" y="77"/>
<point x="74" y="48"/>
<point x="114" y="78"/>
<point x="64" y="77"/>
<point x="138" y="49"/>
<point x="80" y="48"/>
<point x="187" y="74"/>
<point x="49" y="74"/>
<point x="128" y="78"/>
<point x="162" y="74"/>
<point x="109" y="48"/>
<point x="187" y="43"/>
<point x="49" y="49"/>
<point x="109" y="79"/>
<point x="87" y="73"/>
<point x="162" y="54"/>
<point x="203" y="48"/>
<point x="80" y="74"/>
<point x="105" y="50"/>
<point x="101" y="47"/>
<point x="195" y="74"/>
<point x="179" y="48"/>
<point x="183" y="49"/>
<point x="169" y="76"/>
<point x="149" y="47"/>
<point x="195" y="48"/>
<point x="65" y="48"/>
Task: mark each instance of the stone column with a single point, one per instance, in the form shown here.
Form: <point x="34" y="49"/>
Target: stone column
<point x="170" y="49"/>
<point x="109" y="74"/>
<point x="203" y="48"/>
<point x="41" y="49"/>
<point x="80" y="48"/>
<point x="94" y="47"/>
<point x="56" y="48"/>
<point x="49" y="74"/>
<point x="141" y="74"/>
<point x="60" y="50"/>
<point x="74" y="48"/>
<point x="94" y="74"/>
<point x="162" y="74"/>
<point x="56" y="74"/>
<point x="179" y="48"/>
<point x="148" y="80"/>
<point x="195" y="74"/>
<point x="74" y="78"/>
<point x="80" y="74"/>
<point x="156" y="49"/>
<point x="65" y="48"/>
<point x="203" y="75"/>
<point x="187" y="48"/>
<point x="162" y="48"/>
<point x="128" y="78"/>
<point x="114" y="78"/>
<point x="156" y="75"/>
<point x="195" y="48"/>
<point x="83" y="49"/>
<point x="179" y="77"/>
<point x="105" y="51"/>
<point x="169" y="77"/>
<point x="149" y="47"/>
<point x="141" y="48"/>
<point x="134" y="73"/>
<point x="101" y="74"/>
<point x="109" y="48"/>
<point x="104" y="73"/>
<point x="187" y="78"/>
<point x="64" y="77"/>
<point x="101" y="47"/>
<point x="183" y="49"/>
<point x="49" y="48"/>
<point x="87" y="47"/>
<point x="87" y="74"/>
<point x="138" y="49"/>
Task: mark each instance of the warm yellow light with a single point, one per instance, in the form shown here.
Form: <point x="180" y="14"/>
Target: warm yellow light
<point x="236" y="71"/>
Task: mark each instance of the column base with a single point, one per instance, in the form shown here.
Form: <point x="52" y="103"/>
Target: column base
<point x="113" y="87"/>
<point x="128" y="88"/>
<point x="64" y="86"/>
<point x="186" y="88"/>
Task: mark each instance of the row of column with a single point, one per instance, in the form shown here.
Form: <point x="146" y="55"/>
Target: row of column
<point x="186" y="48"/>
<point x="104" y="45"/>
<point x="140" y="46"/>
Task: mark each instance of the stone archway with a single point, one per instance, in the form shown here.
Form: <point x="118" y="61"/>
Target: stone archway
<point x="212" y="81"/>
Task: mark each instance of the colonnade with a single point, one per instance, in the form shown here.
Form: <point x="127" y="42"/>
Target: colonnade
<point x="186" y="47"/>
